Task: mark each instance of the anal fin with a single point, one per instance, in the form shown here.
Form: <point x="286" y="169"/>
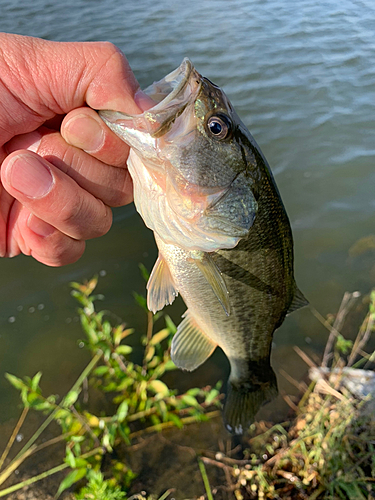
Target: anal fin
<point x="190" y="346"/>
<point x="160" y="287"/>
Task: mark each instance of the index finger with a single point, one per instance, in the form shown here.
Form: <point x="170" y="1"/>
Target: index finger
<point x="41" y="79"/>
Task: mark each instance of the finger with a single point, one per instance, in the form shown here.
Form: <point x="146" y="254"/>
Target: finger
<point x="84" y="129"/>
<point x="93" y="73"/>
<point x="6" y="201"/>
<point x="54" y="196"/>
<point x="110" y="184"/>
<point x="30" y="235"/>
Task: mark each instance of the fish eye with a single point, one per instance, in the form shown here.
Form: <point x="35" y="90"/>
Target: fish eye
<point x="219" y="126"/>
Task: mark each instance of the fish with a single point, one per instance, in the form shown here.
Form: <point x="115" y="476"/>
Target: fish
<point x="203" y="186"/>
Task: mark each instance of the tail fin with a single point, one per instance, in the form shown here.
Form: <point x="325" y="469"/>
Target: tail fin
<point x="244" y="400"/>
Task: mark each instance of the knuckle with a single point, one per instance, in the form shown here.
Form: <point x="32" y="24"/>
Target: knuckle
<point x="113" y="57"/>
<point x="107" y="48"/>
<point x="105" y="223"/>
<point x="62" y="251"/>
<point x="120" y="195"/>
<point x="86" y="220"/>
<point x="72" y="211"/>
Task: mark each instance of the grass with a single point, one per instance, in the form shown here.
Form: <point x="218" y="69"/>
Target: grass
<point x="328" y="450"/>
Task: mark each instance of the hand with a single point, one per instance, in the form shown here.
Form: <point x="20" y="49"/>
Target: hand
<point x="57" y="186"/>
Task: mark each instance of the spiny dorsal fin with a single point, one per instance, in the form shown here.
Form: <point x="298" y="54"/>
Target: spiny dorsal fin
<point x="211" y="272"/>
<point x="160" y="286"/>
<point x="190" y="346"/>
<point x="299" y="300"/>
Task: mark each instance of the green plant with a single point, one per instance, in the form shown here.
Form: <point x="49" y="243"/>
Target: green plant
<point x="98" y="488"/>
<point x="328" y="451"/>
<point x="142" y="401"/>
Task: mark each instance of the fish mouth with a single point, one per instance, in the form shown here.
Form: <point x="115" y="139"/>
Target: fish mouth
<point x="171" y="95"/>
<point x="171" y="86"/>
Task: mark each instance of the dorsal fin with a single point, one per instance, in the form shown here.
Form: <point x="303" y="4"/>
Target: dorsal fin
<point x="299" y="300"/>
<point x="190" y="346"/>
<point x="160" y="286"/>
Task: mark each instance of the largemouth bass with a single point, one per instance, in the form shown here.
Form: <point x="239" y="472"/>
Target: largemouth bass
<point x="203" y="186"/>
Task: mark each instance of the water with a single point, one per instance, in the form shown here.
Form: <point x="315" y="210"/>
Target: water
<point x="302" y="78"/>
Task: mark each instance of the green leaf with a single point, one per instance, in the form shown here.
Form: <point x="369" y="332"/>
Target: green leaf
<point x="76" y="285"/>
<point x="159" y="388"/>
<point x="190" y="400"/>
<point x="150" y="353"/>
<point x="124" y="432"/>
<point x="81" y="463"/>
<point x="15" y="381"/>
<point x="41" y="405"/>
<point x="70" y="459"/>
<point x="144" y="272"/>
<point x="79" y="297"/>
<point x="101" y="370"/>
<point x="124" y="350"/>
<point x="175" y="419"/>
<point x="77" y="439"/>
<point x="193" y="392"/>
<point x="70" y="398"/>
<point x="106" y="442"/>
<point x="155" y="420"/>
<point x="89" y="330"/>
<point x="154" y="363"/>
<point x="35" y="381"/>
<point x="170" y="325"/>
<point x="169" y="365"/>
<point x="141" y="301"/>
<point x="211" y="396"/>
<point x="160" y="336"/>
<point x="158" y="315"/>
<point x="122" y="411"/>
<point x="343" y="345"/>
<point x="70" y="479"/>
<point x="107" y="329"/>
<point x="119" y="333"/>
<point x="61" y="414"/>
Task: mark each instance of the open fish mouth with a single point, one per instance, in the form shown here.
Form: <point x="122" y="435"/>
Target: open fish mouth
<point x="171" y="95"/>
<point x="171" y="86"/>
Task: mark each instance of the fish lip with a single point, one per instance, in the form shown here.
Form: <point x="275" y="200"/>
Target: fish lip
<point x="181" y="76"/>
<point x="171" y="98"/>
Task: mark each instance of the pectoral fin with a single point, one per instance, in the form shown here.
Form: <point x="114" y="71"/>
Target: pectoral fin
<point x="211" y="272"/>
<point x="160" y="286"/>
<point x="190" y="346"/>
